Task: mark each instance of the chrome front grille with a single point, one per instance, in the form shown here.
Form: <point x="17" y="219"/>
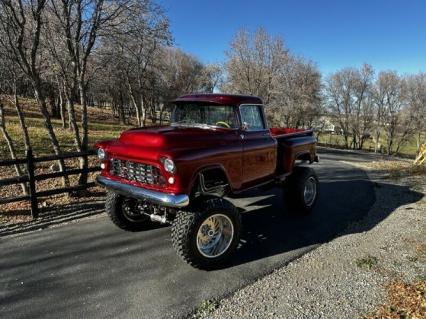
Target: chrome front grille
<point x="139" y="172"/>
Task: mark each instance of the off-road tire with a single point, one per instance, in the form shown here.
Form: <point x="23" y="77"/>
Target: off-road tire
<point x="294" y="187"/>
<point x="114" y="208"/>
<point x="187" y="223"/>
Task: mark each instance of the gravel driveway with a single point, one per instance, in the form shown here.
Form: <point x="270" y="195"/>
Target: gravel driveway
<point x="344" y="278"/>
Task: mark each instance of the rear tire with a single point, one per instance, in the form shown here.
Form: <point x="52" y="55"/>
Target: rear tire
<point x="206" y="236"/>
<point x="121" y="211"/>
<point x="301" y="190"/>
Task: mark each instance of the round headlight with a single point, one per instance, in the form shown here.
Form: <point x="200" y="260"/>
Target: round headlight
<point x="169" y="165"/>
<point x="101" y="154"/>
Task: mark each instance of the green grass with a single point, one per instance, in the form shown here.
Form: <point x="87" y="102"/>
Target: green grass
<point x="367" y="262"/>
<point x="408" y="148"/>
<point x="207" y="307"/>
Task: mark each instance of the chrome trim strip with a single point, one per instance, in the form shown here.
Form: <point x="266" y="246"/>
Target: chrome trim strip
<point x="169" y="200"/>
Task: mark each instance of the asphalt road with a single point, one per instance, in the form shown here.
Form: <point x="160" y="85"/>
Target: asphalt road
<point x="91" y="269"/>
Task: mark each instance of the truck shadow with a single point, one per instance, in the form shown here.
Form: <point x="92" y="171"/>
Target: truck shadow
<point x="344" y="207"/>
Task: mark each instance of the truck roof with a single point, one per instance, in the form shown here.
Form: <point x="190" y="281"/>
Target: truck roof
<point x="219" y="99"/>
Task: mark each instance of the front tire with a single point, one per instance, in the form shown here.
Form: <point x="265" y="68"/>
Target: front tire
<point x="208" y="235"/>
<point x="123" y="213"/>
<point x="301" y="190"/>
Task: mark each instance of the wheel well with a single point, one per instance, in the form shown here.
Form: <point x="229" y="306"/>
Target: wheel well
<point x="304" y="157"/>
<point x="211" y="181"/>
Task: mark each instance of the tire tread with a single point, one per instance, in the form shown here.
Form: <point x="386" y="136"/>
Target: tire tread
<point x="113" y="208"/>
<point x="294" y="187"/>
<point x="185" y="224"/>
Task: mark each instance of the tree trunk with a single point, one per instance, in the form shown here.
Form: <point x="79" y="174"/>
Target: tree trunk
<point x="121" y="109"/>
<point x="346" y="140"/>
<point x="73" y="122"/>
<point x="389" y="143"/>
<point x="70" y="105"/>
<point x="51" y="133"/>
<point x="135" y="104"/>
<point x="377" y="141"/>
<point x="161" y="114"/>
<point x="84" y="161"/>
<point x="62" y="108"/>
<point x="143" y="109"/>
<point x="361" y="142"/>
<point x="52" y="105"/>
<point x="12" y="150"/>
<point x="21" y="118"/>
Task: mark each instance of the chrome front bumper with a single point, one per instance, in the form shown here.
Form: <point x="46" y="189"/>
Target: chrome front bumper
<point x="164" y="199"/>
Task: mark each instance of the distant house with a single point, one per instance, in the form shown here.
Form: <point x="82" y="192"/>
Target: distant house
<point x="324" y="124"/>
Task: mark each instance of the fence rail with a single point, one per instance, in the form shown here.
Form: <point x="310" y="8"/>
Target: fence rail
<point x="30" y="178"/>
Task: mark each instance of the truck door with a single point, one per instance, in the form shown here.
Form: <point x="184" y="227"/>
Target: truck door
<point x="259" y="147"/>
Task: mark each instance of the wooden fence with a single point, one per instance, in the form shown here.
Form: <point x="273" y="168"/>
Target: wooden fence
<point x="30" y="178"/>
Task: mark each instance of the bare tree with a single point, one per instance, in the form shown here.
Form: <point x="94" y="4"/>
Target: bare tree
<point x="379" y="100"/>
<point x="416" y="86"/>
<point x="297" y="100"/>
<point x="253" y="63"/>
<point x="134" y="45"/>
<point x="339" y="99"/>
<point x="393" y="89"/>
<point x="11" y="75"/>
<point x="362" y="112"/>
<point x="212" y="78"/>
<point x="9" y="142"/>
<point x="348" y="95"/>
<point x="79" y="23"/>
<point x="259" y="64"/>
<point x="21" y="22"/>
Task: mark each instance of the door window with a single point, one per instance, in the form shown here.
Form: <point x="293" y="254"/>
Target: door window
<point x="251" y="117"/>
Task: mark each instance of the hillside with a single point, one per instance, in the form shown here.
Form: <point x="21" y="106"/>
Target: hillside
<point x="102" y="125"/>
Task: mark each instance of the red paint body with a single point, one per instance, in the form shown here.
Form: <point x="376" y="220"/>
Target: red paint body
<point x="247" y="158"/>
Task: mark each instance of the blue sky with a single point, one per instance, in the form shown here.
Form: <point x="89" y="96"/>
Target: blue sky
<point x="334" y="34"/>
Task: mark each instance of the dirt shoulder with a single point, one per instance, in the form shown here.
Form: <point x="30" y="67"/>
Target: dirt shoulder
<point x="353" y="275"/>
<point x="53" y="212"/>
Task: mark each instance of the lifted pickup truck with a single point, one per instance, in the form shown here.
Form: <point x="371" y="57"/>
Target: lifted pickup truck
<point x="216" y="145"/>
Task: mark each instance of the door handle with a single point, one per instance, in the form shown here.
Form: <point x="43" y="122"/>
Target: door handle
<point x="242" y="136"/>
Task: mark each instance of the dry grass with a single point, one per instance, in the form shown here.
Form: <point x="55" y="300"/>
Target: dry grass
<point x="405" y="301"/>
<point x="408" y="148"/>
<point x="20" y="211"/>
<point x="102" y="126"/>
<point x="421" y="250"/>
<point x="396" y="169"/>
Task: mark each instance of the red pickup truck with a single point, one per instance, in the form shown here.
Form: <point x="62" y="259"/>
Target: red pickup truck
<point x="215" y="145"/>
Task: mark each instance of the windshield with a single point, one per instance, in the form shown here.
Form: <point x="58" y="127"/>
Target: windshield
<point x="205" y="116"/>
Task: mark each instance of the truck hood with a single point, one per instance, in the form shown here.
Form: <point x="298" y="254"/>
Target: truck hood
<point x="166" y="137"/>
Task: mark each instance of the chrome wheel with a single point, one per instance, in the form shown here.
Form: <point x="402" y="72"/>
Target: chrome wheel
<point x="215" y="235"/>
<point x="310" y="191"/>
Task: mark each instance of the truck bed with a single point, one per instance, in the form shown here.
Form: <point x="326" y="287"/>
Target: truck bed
<point x="281" y="132"/>
<point x="293" y="144"/>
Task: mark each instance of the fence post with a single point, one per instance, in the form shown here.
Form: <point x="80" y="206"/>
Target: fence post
<point x="33" y="195"/>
